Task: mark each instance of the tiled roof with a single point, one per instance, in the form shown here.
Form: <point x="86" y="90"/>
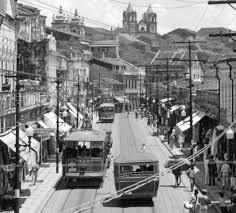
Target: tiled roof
<point x="115" y="61"/>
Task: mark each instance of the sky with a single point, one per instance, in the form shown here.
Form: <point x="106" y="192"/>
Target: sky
<point x="171" y="14"/>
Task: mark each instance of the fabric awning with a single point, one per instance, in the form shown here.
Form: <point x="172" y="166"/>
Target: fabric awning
<point x="9" y="138"/>
<point x="50" y="119"/>
<point x="73" y="111"/>
<point x="48" y="131"/>
<point x="185" y="124"/>
<point x="122" y="99"/>
<point x="175" y="107"/>
<point x="165" y="100"/>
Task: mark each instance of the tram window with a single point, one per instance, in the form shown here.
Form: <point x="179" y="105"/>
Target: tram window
<point x="96" y="153"/>
<point x="125" y="169"/>
<point x="148" y="168"/>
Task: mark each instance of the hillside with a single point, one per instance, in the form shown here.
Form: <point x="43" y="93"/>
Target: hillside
<point x="135" y="56"/>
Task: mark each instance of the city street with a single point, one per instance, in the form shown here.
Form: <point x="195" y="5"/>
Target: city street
<point x="169" y="199"/>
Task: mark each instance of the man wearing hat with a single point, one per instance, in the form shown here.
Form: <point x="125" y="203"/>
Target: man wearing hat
<point x="204" y="202"/>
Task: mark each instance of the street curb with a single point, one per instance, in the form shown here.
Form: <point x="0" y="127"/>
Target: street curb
<point x="197" y="185"/>
<point x="49" y="194"/>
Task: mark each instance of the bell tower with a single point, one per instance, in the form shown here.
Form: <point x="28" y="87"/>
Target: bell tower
<point x="129" y="20"/>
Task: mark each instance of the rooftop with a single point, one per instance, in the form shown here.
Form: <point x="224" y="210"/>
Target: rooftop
<point x="105" y="43"/>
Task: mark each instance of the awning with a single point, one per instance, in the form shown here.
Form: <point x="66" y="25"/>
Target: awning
<point x="50" y="119"/>
<point x="165" y="100"/>
<point x="122" y="99"/>
<point x="175" y="107"/>
<point x="9" y="138"/>
<point x="45" y="130"/>
<point x="73" y="111"/>
<point x="185" y="124"/>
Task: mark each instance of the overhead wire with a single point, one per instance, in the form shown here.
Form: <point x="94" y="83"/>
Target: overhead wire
<point x="54" y="9"/>
<point x="165" y="7"/>
<point x="130" y="188"/>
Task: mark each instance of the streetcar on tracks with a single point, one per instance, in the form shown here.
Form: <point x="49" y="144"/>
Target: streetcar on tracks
<point x="133" y="166"/>
<point x="106" y="112"/>
<point x="84" y="156"/>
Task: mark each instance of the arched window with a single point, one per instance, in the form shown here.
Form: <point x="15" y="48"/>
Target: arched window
<point x="153" y="18"/>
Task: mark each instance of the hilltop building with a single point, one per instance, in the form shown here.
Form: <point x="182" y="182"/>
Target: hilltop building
<point x="73" y="24"/>
<point x="148" y="23"/>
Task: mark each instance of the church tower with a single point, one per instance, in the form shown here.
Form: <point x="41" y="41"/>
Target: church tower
<point x="77" y="24"/>
<point x="60" y="21"/>
<point x="129" y="20"/>
<point x="151" y="20"/>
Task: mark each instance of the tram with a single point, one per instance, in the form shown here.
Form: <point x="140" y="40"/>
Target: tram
<point x="84" y="156"/>
<point x="106" y="112"/>
<point x="132" y="167"/>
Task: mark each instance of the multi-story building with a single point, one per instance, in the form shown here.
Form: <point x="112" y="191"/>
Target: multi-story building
<point x="32" y="25"/>
<point x="8" y="61"/>
<point x="124" y="77"/>
<point x="105" y="48"/>
<point x="148" y="23"/>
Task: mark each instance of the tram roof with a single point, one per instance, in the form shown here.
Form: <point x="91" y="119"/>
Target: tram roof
<point x="135" y="157"/>
<point x="86" y="135"/>
<point x="107" y="105"/>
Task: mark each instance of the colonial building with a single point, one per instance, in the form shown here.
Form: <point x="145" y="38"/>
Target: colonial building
<point x="105" y="48"/>
<point x="73" y="24"/>
<point x="148" y="23"/>
<point x="32" y="25"/>
<point x="125" y="78"/>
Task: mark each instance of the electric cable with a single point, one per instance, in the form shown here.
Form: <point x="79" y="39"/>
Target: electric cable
<point x="56" y="9"/>
<point x="166" y="7"/>
<point x="119" y="193"/>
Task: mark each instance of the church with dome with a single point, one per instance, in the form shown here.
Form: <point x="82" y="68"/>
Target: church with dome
<point x="147" y="24"/>
<point x="74" y="24"/>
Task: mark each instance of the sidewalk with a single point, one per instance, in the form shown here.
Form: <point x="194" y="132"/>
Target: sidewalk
<point x="34" y="197"/>
<point x="200" y="177"/>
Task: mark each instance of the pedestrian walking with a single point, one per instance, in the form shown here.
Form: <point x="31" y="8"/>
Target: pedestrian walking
<point x="34" y="173"/>
<point x="177" y="173"/>
<point x="218" y="166"/>
<point x="172" y="139"/>
<point x="222" y="203"/>
<point x="191" y="174"/>
<point x="181" y="141"/>
<point x="204" y="202"/>
<point x="212" y="170"/>
<point x="225" y="174"/>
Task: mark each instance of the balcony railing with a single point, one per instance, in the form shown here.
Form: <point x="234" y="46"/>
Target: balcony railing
<point x="27" y="99"/>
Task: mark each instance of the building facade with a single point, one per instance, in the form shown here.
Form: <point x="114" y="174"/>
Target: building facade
<point x="148" y="23"/>
<point x="73" y="24"/>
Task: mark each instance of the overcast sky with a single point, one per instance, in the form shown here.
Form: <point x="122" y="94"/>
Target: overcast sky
<point x="171" y="14"/>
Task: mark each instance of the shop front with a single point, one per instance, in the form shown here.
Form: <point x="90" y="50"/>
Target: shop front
<point x="183" y="128"/>
<point x="29" y="155"/>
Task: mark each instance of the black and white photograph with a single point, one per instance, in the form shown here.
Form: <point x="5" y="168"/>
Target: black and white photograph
<point x="118" y="106"/>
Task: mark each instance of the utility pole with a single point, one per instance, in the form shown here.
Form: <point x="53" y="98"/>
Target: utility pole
<point x="78" y="90"/>
<point x="57" y="130"/>
<point x="140" y="89"/>
<point x="190" y="60"/>
<point x="17" y="154"/>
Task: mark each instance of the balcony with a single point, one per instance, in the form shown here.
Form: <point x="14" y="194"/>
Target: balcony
<point x="27" y="100"/>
